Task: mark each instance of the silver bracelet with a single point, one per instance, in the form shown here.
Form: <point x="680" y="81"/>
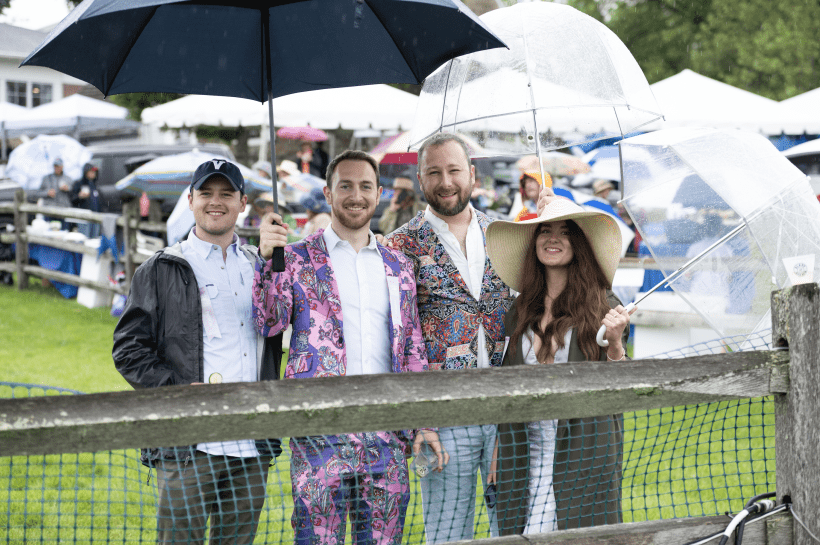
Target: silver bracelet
<point x="619" y="359"/>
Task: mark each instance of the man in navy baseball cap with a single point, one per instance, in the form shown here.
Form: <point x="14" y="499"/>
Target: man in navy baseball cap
<point x="199" y="332"/>
<point x="218" y="167"/>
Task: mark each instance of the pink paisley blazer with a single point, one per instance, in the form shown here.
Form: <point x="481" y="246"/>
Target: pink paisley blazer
<point x="306" y="294"/>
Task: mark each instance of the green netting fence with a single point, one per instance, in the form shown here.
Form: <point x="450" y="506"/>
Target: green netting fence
<point x="674" y="462"/>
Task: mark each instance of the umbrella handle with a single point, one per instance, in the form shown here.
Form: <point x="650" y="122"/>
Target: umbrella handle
<point x="278" y="259"/>
<point x="599" y="338"/>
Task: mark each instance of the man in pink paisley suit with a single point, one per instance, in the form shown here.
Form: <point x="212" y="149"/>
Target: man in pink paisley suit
<point x="352" y="304"/>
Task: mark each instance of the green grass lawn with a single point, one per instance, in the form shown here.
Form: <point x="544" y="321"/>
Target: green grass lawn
<point x="47" y="339"/>
<point x="683" y="461"/>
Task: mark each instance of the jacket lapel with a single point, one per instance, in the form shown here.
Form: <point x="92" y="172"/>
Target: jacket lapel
<point x="439" y="256"/>
<point x="392" y="270"/>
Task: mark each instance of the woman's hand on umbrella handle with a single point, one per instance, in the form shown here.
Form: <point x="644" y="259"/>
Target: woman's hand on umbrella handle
<point x="628" y="310"/>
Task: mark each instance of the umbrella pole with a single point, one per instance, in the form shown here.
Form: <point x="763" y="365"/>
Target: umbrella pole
<point x="535" y="121"/>
<point x="686" y="266"/>
<point x="278" y="257"/>
<point x="666" y="281"/>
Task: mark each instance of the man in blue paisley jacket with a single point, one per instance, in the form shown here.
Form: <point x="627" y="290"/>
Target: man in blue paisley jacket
<point x="462" y="303"/>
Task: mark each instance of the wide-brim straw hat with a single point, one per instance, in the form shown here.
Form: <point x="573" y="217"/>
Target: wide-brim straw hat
<point x="507" y="241"/>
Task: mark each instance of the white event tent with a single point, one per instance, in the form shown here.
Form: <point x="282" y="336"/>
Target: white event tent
<point x="10" y="112"/>
<point x="800" y="114"/>
<point x="689" y="99"/>
<point x="77" y="115"/>
<point x="379" y="107"/>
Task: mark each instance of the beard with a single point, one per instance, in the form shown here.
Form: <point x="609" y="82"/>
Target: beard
<point x="353" y="221"/>
<point x="444" y="210"/>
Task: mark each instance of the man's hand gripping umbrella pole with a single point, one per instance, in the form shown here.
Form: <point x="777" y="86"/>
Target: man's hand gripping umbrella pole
<point x="273" y="236"/>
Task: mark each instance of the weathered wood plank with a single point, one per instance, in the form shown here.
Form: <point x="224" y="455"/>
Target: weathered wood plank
<point x="656" y="532"/>
<point x="76" y="247"/>
<point x="189" y="414"/>
<point x="72" y="279"/>
<point x="128" y="211"/>
<point x="796" y="323"/>
<point x="61" y="212"/>
<point x="780" y="530"/>
<point x="20" y="249"/>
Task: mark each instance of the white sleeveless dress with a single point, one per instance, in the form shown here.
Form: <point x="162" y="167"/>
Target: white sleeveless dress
<point x="542" y="507"/>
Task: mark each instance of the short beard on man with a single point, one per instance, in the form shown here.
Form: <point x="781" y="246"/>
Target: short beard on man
<point x="457" y="208"/>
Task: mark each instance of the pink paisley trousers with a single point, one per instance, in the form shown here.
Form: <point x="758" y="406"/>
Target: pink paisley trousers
<point x="362" y="475"/>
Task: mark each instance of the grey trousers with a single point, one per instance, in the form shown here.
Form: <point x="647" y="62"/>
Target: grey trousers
<point x="449" y="497"/>
<point x="231" y="491"/>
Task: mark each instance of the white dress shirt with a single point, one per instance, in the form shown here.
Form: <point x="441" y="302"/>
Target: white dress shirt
<point x="229" y="337"/>
<point x="470" y="266"/>
<point x="362" y="283"/>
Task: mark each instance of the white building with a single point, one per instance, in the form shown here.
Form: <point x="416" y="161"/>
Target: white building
<point x="29" y="86"/>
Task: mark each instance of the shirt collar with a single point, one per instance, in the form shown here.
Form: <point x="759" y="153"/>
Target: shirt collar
<point x="332" y="239"/>
<point x="441" y="225"/>
<point x="203" y="249"/>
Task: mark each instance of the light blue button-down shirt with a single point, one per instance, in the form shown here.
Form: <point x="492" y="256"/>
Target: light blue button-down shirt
<point x="229" y="337"/>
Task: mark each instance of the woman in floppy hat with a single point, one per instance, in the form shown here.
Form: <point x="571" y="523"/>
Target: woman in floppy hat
<point x="559" y="474"/>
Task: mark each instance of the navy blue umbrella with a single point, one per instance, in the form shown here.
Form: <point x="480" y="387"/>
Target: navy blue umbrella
<point x="258" y="49"/>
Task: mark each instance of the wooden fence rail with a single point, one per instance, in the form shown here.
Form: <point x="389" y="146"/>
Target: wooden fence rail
<point x="190" y="414"/>
<point x="128" y="221"/>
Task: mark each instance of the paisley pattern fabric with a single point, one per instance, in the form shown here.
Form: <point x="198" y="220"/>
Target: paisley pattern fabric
<point x="450" y="316"/>
<point x="306" y="295"/>
<point x="327" y="490"/>
<point x="322" y="468"/>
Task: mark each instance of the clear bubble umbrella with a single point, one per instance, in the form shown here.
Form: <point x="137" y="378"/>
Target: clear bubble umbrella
<point x="726" y="216"/>
<point x="565" y="79"/>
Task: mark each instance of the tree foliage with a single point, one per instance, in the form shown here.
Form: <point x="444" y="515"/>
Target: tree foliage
<point x="769" y="48"/>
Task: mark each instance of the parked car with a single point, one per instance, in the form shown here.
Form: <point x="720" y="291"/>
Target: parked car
<point x="116" y="160"/>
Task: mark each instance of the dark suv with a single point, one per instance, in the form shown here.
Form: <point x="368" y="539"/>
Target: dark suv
<point x="113" y="160"/>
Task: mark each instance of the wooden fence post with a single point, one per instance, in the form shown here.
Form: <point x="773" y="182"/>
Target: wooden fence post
<point x="127" y="214"/>
<point x="21" y="242"/>
<point x="796" y="325"/>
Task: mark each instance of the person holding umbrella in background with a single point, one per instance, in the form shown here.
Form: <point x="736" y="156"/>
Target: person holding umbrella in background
<point x="525" y="203"/>
<point x="307" y="162"/>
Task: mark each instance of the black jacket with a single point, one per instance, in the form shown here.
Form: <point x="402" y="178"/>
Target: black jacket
<point x="158" y="339"/>
<point x="92" y="202"/>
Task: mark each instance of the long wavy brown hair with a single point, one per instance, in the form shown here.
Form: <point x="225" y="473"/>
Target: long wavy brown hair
<point x="581" y="305"/>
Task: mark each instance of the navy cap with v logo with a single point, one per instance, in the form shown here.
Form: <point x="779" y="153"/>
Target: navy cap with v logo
<point x="218" y="167"/>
